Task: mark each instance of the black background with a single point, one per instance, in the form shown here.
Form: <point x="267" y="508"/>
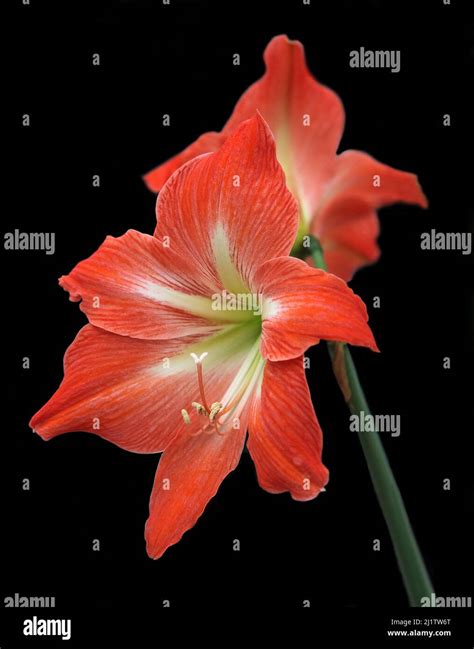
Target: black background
<point x="85" y="120"/>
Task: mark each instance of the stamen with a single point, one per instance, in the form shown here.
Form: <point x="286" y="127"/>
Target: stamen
<point x="215" y="409"/>
<point x="242" y="382"/>
<point x="218" y="415"/>
<point x="234" y="401"/>
<point x="199" y="408"/>
<point x="186" y="417"/>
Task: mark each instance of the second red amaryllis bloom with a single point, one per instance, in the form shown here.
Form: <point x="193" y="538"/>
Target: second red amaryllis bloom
<point x="338" y="195"/>
<point x="163" y="366"/>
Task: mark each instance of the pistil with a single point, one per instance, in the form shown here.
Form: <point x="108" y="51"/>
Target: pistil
<point x="235" y="397"/>
<point x="198" y="360"/>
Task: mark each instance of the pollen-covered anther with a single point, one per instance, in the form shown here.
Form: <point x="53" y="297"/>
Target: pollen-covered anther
<point x="199" y="408"/>
<point x="185" y="415"/>
<point x="216" y="407"/>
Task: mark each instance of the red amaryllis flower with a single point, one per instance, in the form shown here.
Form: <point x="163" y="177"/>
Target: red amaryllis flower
<point x="170" y="363"/>
<point x="338" y="194"/>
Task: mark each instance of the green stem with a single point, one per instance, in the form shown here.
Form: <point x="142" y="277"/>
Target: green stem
<point x="410" y="561"/>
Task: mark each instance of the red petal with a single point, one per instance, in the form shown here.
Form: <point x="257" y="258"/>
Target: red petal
<point x="345" y="219"/>
<point x="284" y="95"/>
<point x="206" y="143"/>
<point x="285" y="440"/>
<point x="135" y="286"/>
<point x="307" y="120"/>
<point x="350" y="240"/>
<point x="230" y="211"/>
<point x="195" y="468"/>
<point x="132" y="391"/>
<point x="302" y="305"/>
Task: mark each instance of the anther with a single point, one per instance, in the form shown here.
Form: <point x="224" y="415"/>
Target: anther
<point x="199" y="408"/>
<point x="186" y="417"/>
<point x="216" y="407"/>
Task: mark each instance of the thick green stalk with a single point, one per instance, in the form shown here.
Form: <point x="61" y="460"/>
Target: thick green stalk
<point x="410" y="561"/>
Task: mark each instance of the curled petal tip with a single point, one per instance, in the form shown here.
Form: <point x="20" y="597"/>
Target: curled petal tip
<point x="423" y="202"/>
<point x="372" y="344"/>
<point x="65" y="282"/>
